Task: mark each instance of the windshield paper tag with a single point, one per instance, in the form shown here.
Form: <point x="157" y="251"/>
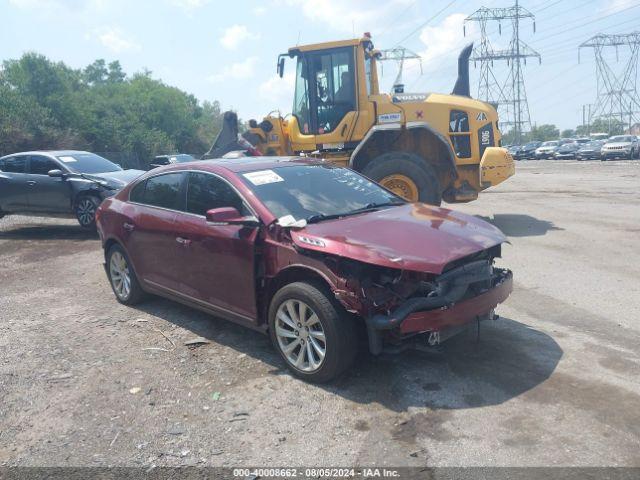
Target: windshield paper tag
<point x="263" y="177"/>
<point x="67" y="159"/>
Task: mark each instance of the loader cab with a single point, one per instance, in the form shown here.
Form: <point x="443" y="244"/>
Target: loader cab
<point x="328" y="96"/>
<point x="325" y="90"/>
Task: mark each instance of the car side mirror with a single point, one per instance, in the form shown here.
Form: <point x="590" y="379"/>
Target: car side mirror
<point x="230" y="216"/>
<point x="56" y="173"/>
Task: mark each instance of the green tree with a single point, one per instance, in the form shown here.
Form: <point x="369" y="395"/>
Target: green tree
<point x="568" y="133"/>
<point x="544" y="133"/>
<point x="48" y="105"/>
<point x="612" y="126"/>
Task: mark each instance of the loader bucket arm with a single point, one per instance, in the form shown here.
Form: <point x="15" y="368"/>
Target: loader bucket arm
<point x="227" y="139"/>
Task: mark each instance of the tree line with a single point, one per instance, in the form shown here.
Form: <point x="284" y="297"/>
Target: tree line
<point x="546" y="132"/>
<point x="46" y="105"/>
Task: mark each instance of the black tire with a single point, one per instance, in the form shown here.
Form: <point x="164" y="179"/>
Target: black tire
<point x="136" y="294"/>
<point x="410" y="165"/>
<point x="85" y="209"/>
<point x="341" y="345"/>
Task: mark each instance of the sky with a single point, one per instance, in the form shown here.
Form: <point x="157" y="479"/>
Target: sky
<point x="227" y="51"/>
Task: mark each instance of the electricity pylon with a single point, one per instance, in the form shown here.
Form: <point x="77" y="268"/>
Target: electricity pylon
<point x="617" y="93"/>
<point x="399" y="55"/>
<point x="509" y="95"/>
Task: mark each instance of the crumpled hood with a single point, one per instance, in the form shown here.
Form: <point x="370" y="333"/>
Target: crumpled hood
<point x="118" y="178"/>
<point x="410" y="237"/>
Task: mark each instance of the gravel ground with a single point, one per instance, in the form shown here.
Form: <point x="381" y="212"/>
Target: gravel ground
<point x="85" y="381"/>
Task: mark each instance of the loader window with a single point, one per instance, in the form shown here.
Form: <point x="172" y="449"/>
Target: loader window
<point x="325" y="89"/>
<point x="459" y="133"/>
<point x="301" y="98"/>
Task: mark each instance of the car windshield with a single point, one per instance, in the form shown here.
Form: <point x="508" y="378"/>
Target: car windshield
<point x="316" y="192"/>
<point x="532" y="145"/>
<point x="181" y="158"/>
<point x="621" y="138"/>
<point x="550" y="144"/>
<point x="85" y="162"/>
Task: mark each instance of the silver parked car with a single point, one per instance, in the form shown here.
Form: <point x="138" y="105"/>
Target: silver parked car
<point x="59" y="183"/>
<point x="620" y="146"/>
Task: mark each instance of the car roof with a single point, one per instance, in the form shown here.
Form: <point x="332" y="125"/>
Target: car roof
<point x="247" y="164"/>
<point x="52" y="153"/>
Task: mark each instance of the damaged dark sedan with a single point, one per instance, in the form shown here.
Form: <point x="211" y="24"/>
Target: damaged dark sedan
<point x="310" y="253"/>
<point x="59" y="184"/>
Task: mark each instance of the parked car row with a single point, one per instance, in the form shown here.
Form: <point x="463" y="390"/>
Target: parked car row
<point x="616" y="147"/>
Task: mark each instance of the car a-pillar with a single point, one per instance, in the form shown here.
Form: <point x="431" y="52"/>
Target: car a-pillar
<point x="413" y="161"/>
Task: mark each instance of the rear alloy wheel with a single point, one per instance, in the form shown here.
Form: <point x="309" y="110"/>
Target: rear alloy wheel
<point x="122" y="277"/>
<point x="313" y="334"/>
<point x="86" y="207"/>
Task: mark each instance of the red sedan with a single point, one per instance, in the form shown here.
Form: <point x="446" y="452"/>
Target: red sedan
<point x="308" y="252"/>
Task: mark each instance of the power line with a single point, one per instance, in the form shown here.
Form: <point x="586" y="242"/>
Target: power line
<point x="426" y="23"/>
<point x="398" y="17"/>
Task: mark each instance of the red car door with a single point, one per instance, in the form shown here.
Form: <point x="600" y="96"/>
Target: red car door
<point x="149" y="229"/>
<point x="217" y="262"/>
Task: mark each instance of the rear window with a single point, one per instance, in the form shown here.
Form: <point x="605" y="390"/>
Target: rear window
<point x="160" y="191"/>
<point x="13" y="164"/>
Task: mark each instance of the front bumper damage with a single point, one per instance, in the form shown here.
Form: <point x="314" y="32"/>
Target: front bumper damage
<point x="462" y="296"/>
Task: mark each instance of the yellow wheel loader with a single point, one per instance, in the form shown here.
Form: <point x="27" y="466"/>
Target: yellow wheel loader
<point x="424" y="147"/>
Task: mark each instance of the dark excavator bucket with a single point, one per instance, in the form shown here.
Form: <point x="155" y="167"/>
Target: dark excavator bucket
<point x="462" y="83"/>
<point x="227" y="139"/>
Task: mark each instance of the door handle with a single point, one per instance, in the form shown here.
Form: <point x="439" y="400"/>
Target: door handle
<point x="129" y="227"/>
<point x="183" y="241"/>
<point x="31" y="183"/>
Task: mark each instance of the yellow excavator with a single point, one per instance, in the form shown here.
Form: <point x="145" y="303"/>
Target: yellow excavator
<point x="424" y="147"/>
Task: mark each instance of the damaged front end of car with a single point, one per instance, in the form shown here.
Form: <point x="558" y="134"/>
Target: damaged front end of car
<point x="402" y="305"/>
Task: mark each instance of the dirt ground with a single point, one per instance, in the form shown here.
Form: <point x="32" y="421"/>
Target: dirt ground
<point x="85" y="381"/>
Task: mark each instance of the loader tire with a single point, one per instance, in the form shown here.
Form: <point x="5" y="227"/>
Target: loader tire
<point x="406" y="175"/>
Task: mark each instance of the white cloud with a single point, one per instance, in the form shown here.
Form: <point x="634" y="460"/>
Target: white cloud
<point x="353" y="16"/>
<point x="189" y="5"/>
<point x="614" y="6"/>
<point x="116" y="40"/>
<point x="278" y="92"/>
<point x="258" y="11"/>
<point x="444" y="41"/>
<point x="71" y="5"/>
<point x="235" y="35"/>
<point x="236" y="71"/>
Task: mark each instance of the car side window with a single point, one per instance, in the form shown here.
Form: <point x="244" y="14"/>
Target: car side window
<point x="14" y="165"/>
<point x="205" y="192"/>
<point x="163" y="191"/>
<point x="137" y="192"/>
<point x="39" y="165"/>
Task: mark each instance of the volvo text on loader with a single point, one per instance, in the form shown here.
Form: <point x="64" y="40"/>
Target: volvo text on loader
<point x="425" y="147"/>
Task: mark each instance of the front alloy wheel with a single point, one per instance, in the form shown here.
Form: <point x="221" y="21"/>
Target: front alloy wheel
<point x="300" y="336"/>
<point x="312" y="332"/>
<point x="86" y="211"/>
